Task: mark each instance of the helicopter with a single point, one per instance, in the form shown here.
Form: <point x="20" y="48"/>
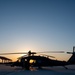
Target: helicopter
<point x="42" y="60"/>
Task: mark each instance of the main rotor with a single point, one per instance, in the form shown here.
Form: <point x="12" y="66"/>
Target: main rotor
<point x="30" y="53"/>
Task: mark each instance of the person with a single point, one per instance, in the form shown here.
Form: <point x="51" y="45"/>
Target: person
<point x="29" y="53"/>
<point x="27" y="65"/>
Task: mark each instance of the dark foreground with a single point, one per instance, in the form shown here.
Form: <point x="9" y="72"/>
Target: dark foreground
<point x="7" y="70"/>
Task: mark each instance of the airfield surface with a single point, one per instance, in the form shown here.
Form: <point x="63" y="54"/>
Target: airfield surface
<point x="7" y="70"/>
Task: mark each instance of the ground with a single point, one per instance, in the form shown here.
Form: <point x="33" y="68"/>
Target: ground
<point x="8" y="70"/>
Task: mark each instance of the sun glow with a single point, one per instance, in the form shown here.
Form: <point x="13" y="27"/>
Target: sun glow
<point x="32" y="61"/>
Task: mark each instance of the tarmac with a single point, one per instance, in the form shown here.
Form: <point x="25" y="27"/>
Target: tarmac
<point x="8" y="70"/>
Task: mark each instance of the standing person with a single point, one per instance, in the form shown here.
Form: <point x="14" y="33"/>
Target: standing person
<point x="29" y="53"/>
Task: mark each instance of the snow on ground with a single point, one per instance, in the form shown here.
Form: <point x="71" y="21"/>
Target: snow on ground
<point x="8" y="70"/>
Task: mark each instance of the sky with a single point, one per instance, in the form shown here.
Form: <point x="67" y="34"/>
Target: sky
<point x="37" y="25"/>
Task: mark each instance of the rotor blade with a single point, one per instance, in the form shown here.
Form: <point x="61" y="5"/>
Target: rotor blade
<point x="52" y="52"/>
<point x="13" y="53"/>
<point x="22" y="56"/>
<point x="70" y="52"/>
<point x="48" y="55"/>
<point x="32" y="52"/>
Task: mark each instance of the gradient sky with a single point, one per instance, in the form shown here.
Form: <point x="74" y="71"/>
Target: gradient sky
<point x="37" y="25"/>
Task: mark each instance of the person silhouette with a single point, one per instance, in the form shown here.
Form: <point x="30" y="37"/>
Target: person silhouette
<point x="29" y="53"/>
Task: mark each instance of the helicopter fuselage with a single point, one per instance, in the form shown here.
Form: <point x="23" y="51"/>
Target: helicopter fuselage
<point x="38" y="61"/>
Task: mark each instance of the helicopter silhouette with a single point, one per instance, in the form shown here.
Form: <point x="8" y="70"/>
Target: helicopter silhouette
<point x="42" y="60"/>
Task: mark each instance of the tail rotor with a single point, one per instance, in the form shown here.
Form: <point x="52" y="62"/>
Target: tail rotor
<point x="73" y="51"/>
